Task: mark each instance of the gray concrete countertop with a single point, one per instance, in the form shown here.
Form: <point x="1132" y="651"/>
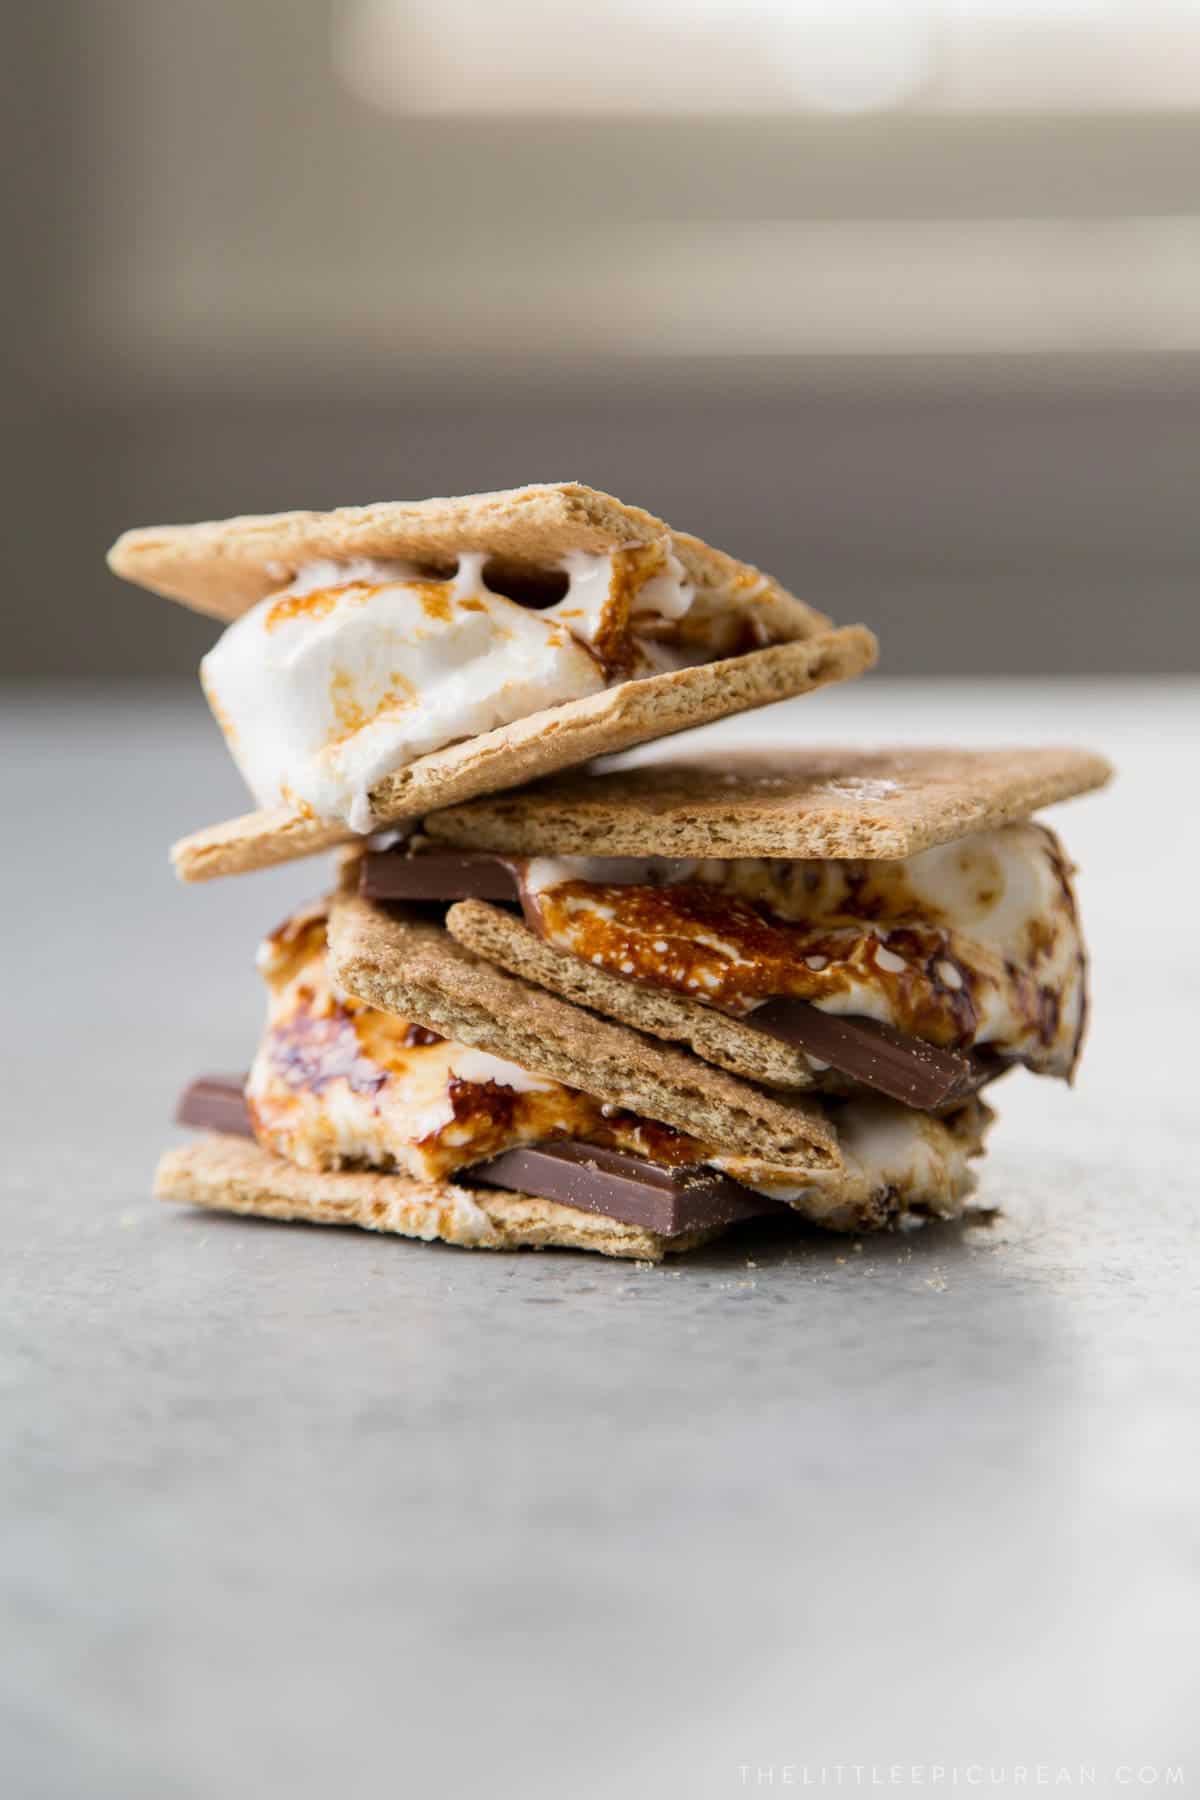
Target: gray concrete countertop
<point x="305" y="1512"/>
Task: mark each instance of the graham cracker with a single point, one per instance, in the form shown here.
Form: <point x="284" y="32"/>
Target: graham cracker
<point x="400" y="963"/>
<point x="631" y="713"/>
<point x="731" y="1044"/>
<point x="796" y="803"/>
<point x="233" y="1175"/>
<point x="224" y="566"/>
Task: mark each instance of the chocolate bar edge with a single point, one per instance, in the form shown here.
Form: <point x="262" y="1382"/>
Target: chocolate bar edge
<point x="438" y="875"/>
<point x="575" y="1174"/>
<point x="906" y="1069"/>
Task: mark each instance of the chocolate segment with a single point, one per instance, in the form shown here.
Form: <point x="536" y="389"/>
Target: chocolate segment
<point x="669" y="1201"/>
<point x="215" y="1103"/>
<point x="438" y="875"/>
<point x="918" y="1074"/>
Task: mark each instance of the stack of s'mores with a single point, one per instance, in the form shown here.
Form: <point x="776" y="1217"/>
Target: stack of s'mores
<point x="609" y="1008"/>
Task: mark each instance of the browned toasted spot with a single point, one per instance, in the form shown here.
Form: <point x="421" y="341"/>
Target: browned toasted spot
<point x="318" y="603"/>
<point x="632" y="567"/>
<point x="716" y="947"/>
<point x="437" y="600"/>
<point x="291" y="945"/>
<point x="218" y="712"/>
<point x="346" y="709"/>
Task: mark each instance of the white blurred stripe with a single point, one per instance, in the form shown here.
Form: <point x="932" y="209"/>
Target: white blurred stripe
<point x="714" y="58"/>
<point x="762" y="288"/>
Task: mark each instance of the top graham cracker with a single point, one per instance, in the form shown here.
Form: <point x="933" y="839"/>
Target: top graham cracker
<point x="225" y="566"/>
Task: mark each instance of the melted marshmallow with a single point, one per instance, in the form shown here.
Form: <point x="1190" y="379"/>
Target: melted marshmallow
<point x="890" y="1154"/>
<point x="358" y="668"/>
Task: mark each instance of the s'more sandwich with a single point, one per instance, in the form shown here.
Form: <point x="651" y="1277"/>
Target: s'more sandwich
<point x="615" y="1011"/>
<point x="380" y="662"/>
<point x="780" y="991"/>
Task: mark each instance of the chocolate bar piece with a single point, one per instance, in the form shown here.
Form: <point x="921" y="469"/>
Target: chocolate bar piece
<point x="906" y="1069"/>
<point x="438" y="875"/>
<point x="669" y="1201"/>
<point x="215" y="1103"/>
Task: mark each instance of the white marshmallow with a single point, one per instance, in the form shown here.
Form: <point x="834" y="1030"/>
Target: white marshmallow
<point x="320" y="701"/>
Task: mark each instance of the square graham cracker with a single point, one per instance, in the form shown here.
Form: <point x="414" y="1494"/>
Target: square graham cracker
<point x="224" y="566"/>
<point x="870" y="804"/>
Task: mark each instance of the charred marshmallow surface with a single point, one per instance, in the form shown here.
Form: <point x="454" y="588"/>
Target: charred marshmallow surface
<point x="358" y="668"/>
<point x="339" y="1084"/>
<point x="971" y="943"/>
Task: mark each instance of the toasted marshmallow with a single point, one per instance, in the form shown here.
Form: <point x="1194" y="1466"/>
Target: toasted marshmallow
<point x="358" y="668"/>
<point x="887" y="1150"/>
<point x="972" y="943"/>
<point x="337" y="1083"/>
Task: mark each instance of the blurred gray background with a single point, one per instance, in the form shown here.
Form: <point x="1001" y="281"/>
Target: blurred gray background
<point x="900" y="298"/>
<point x="903" y="305"/>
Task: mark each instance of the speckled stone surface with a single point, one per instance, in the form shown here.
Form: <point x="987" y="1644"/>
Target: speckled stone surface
<point x="292" y="1511"/>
